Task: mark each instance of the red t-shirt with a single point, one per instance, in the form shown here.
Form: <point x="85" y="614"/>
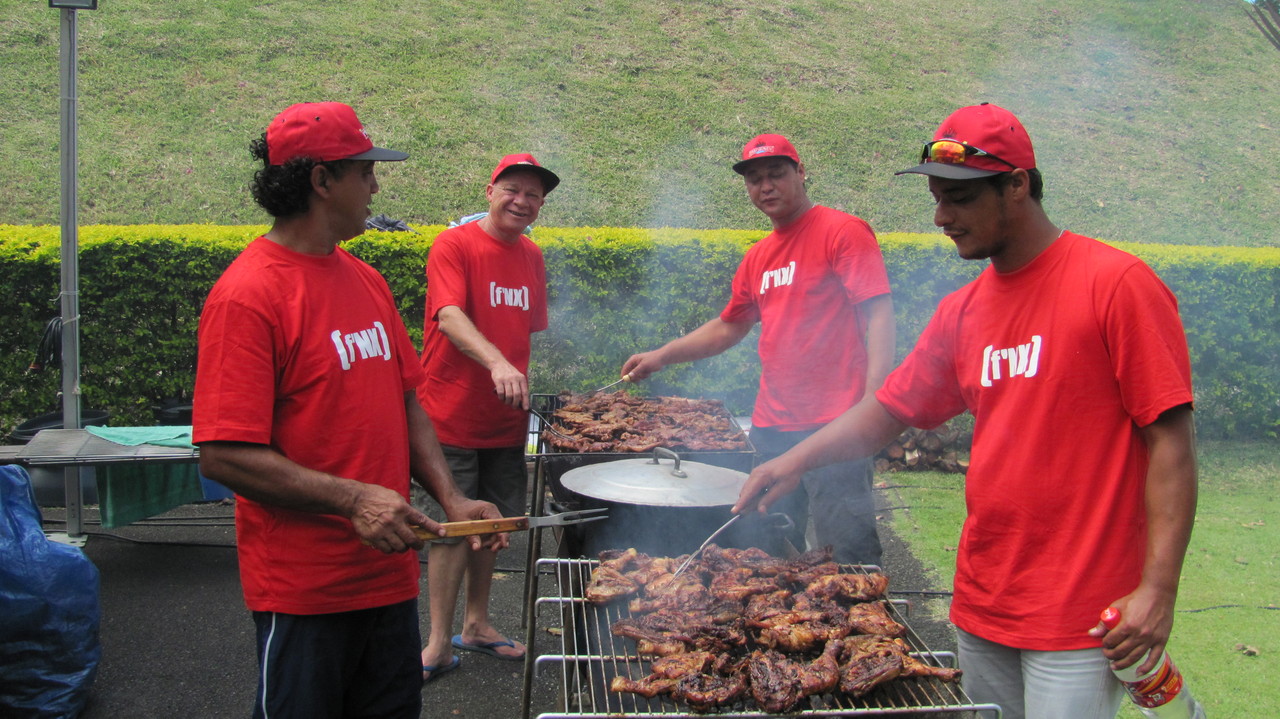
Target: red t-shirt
<point x="803" y="283"/>
<point x="308" y="354"/>
<point x="1060" y="363"/>
<point x="502" y="288"/>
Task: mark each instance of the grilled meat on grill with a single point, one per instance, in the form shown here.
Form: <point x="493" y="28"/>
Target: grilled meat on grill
<point x="800" y="631"/>
<point x="849" y="587"/>
<point x="864" y="672"/>
<point x="609" y="585"/>
<point x="668" y="591"/>
<point x="704" y="692"/>
<point x="741" y="583"/>
<point x="700" y="679"/>
<point x="775" y="681"/>
<point x="648" y="687"/>
<point x="676" y="666"/>
<point x="822" y="674"/>
<point x="873" y="618"/>
<point x="619" y="422"/>
<point x="740" y="622"/>
<point x="668" y="632"/>
<point x="869" y="660"/>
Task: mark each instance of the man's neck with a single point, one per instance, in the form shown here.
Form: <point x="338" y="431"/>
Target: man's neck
<point x="306" y="233"/>
<point x="1033" y="240"/>
<point x="801" y="209"/>
<point x="491" y="229"/>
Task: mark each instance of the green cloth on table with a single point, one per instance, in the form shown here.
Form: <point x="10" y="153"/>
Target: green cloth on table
<point x="137" y="490"/>
<point x="164" y="436"/>
<point x="130" y="491"/>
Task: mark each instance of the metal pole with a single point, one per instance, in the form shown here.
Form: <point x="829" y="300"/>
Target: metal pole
<point x="70" y="269"/>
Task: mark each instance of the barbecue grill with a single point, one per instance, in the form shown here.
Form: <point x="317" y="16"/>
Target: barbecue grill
<point x="549" y="465"/>
<point x="590" y="656"/>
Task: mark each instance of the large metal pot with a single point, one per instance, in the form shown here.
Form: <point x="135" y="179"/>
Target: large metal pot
<point x="662" y="506"/>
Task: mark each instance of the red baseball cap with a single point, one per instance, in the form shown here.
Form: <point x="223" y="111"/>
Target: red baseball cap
<point x="322" y="131"/>
<point x="987" y="140"/>
<point x="523" y="160"/>
<point x="767" y="145"/>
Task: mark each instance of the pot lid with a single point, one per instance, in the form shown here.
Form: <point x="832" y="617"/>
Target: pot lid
<point x="662" y="480"/>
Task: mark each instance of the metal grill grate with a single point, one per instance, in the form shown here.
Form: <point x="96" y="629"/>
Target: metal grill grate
<point x="591" y="656"/>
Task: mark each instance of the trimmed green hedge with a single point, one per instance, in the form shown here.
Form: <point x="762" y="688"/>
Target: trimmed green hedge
<point x="613" y="292"/>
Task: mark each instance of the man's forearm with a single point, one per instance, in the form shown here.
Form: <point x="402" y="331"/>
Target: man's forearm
<point x="881" y="338"/>
<point x="860" y="432"/>
<point x="1171" y="490"/>
<point x="264" y="475"/>
<point x="469" y="340"/>
<point x="709" y="340"/>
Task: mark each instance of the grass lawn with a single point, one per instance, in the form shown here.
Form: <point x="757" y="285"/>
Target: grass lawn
<point x="1226" y="638"/>
<point x="1153" y="121"/>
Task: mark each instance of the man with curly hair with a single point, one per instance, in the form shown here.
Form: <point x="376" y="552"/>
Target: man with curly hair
<point x="305" y="406"/>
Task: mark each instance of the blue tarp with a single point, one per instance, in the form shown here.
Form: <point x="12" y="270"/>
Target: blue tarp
<point x="49" y="612"/>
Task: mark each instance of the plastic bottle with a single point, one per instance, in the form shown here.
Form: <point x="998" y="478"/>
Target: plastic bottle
<point x="1160" y="693"/>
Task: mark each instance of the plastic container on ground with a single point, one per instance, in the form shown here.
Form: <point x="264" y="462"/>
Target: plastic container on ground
<point x="49" y="482"/>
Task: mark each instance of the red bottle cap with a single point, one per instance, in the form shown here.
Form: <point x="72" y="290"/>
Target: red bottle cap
<point x="1111" y="617"/>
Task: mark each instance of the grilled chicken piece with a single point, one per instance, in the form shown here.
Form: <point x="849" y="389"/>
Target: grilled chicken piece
<point x="646" y="569"/>
<point x="678" y="665"/>
<point x="721" y="637"/>
<point x="608" y="585"/>
<point x="700" y="679"/>
<point x="873" y="618"/>
<point x="868" y="661"/>
<point x="822" y="675"/>
<point x="849" y="587"/>
<point x="660" y="647"/>
<point x="865" y="672"/>
<point x="650" y="686"/>
<point x="741" y="584"/>
<point x="914" y="667"/>
<point x="802" y="576"/>
<point x="654" y="634"/>
<point x="668" y="632"/>
<point x="763" y="605"/>
<point x="668" y="591"/>
<point x="704" y="692"/>
<point x="800" y="631"/>
<point x="775" y="681"/>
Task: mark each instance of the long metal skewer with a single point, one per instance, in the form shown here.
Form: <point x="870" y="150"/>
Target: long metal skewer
<point x="698" y="551"/>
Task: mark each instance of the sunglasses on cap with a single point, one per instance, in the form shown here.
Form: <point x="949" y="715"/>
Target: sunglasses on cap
<point x="954" y="152"/>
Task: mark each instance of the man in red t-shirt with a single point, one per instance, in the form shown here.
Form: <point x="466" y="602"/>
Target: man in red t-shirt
<point x="486" y="295"/>
<point x="818" y="287"/>
<point x="1081" y="489"/>
<point x="305" y="407"/>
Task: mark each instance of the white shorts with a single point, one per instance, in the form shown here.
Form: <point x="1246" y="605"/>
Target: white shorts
<point x="1029" y="684"/>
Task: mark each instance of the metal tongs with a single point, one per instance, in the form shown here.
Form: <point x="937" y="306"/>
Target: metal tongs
<point x="547" y="425"/>
<point x="625" y="378"/>
<point x="512" y="524"/>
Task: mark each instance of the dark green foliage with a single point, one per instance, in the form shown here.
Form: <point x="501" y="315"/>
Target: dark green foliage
<point x="613" y="292"/>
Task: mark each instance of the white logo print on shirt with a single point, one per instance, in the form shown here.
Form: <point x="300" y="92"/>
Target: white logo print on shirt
<point x="365" y="343"/>
<point x="509" y="296"/>
<point x="1022" y="360"/>
<point x="779" y="277"/>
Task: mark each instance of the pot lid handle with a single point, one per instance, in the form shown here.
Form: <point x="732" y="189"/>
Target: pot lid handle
<point x="675" y="461"/>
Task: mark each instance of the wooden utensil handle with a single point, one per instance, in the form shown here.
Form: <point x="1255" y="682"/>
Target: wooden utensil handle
<point x="476" y="526"/>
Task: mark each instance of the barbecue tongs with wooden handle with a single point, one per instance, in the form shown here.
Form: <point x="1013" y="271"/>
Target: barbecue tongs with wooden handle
<point x="511" y="524"/>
